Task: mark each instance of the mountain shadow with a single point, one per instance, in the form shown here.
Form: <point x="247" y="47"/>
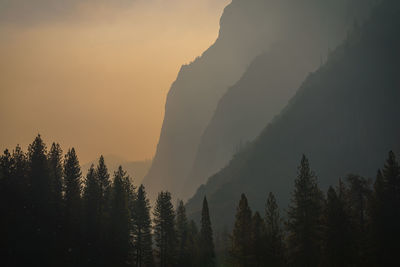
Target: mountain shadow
<point x="344" y="117"/>
<point x="247" y="29"/>
<point x="271" y="80"/>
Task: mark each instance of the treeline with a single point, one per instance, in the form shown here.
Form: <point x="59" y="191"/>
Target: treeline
<point x="357" y="223"/>
<point x="53" y="216"/>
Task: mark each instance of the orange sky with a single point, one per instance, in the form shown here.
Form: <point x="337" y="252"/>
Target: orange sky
<point x="95" y="76"/>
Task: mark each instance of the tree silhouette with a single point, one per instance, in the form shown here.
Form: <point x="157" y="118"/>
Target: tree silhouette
<point x="73" y="205"/>
<point x="274" y="233"/>
<point x="207" y="253"/>
<point x="241" y="237"/>
<point x="142" y="238"/>
<point x="258" y="240"/>
<point x="338" y="243"/>
<point x="120" y="223"/>
<point x="164" y="230"/>
<point x="304" y="218"/>
<point x="385" y="212"/>
<point x="182" y="229"/>
<point x="91" y="203"/>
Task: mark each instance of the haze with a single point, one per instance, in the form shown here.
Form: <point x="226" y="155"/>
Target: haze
<point x="94" y="74"/>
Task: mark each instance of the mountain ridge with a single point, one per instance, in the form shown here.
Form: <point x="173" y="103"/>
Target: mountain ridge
<point x="344" y="117"/>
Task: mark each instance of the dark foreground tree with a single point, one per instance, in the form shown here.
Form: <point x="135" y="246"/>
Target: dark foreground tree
<point x="164" y="230"/>
<point x="385" y="213"/>
<point x="338" y="237"/>
<point x="142" y="238"/>
<point x="258" y="240"/>
<point x="275" y="251"/>
<point x="182" y="229"/>
<point x="358" y="193"/>
<point x="119" y="221"/>
<point x="73" y="207"/>
<point x="241" y="254"/>
<point x="56" y="177"/>
<point x="207" y="253"/>
<point x="304" y="218"/>
<point x="91" y="204"/>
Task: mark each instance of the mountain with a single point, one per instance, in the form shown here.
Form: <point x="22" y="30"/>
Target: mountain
<point x="135" y="169"/>
<point x="270" y="81"/>
<point x="344" y="118"/>
<point x="247" y="29"/>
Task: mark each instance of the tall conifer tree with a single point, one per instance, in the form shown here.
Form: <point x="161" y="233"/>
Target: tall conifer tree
<point x="275" y="253"/>
<point x="241" y="238"/>
<point x="182" y="229"/>
<point x="304" y="218"/>
<point x="40" y="196"/>
<point x="207" y="252"/>
<point x="258" y="240"/>
<point x="120" y="221"/>
<point x="91" y="203"/>
<point x="164" y="230"/>
<point x="385" y="212"/>
<point x="56" y="174"/>
<point x="338" y="247"/>
<point x="73" y="206"/>
<point x="142" y="237"/>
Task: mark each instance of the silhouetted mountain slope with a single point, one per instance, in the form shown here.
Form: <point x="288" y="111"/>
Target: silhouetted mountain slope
<point x="245" y="31"/>
<point x="271" y="80"/>
<point x="247" y="28"/>
<point x="344" y="117"/>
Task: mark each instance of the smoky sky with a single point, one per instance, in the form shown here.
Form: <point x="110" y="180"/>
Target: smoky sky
<point x="94" y="74"/>
<point x="31" y="12"/>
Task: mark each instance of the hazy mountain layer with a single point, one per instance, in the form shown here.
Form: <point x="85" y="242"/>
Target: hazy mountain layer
<point x="247" y="28"/>
<point x="271" y="80"/>
<point x="344" y="117"/>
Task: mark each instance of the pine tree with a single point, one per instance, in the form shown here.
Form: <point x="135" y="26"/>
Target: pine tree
<point x="273" y="233"/>
<point x="120" y="221"/>
<point x="73" y="206"/>
<point x="164" y="230"/>
<point x="91" y="204"/>
<point x="207" y="253"/>
<point x="105" y="186"/>
<point x="16" y="218"/>
<point x="130" y="191"/>
<point x="377" y="211"/>
<point x="385" y="212"/>
<point x="338" y="247"/>
<point x="193" y="244"/>
<point x="304" y="218"/>
<point x="182" y="229"/>
<point x="359" y="192"/>
<point x="258" y="245"/>
<point x="39" y="181"/>
<point x="56" y="174"/>
<point x="241" y="238"/>
<point x="391" y="174"/>
<point x="142" y="238"/>
<point x="103" y="178"/>
<point x="40" y="196"/>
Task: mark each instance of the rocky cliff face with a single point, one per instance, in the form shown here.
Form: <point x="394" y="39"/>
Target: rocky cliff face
<point x="248" y="28"/>
<point x="344" y="118"/>
<point x="311" y="29"/>
<point x="245" y="31"/>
